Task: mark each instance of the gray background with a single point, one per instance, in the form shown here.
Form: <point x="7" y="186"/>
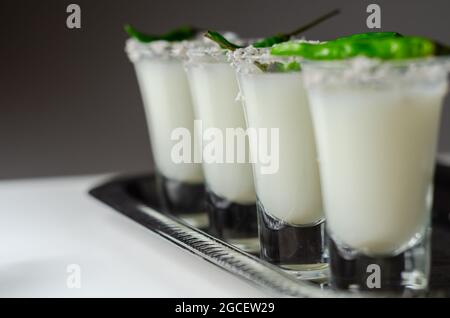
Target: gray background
<point x="69" y="102"/>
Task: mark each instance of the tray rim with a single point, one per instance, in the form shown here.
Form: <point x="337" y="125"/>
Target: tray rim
<point x="112" y="193"/>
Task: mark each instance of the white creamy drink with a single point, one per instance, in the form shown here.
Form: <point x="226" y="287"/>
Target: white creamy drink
<point x="290" y="213"/>
<point x="376" y="139"/>
<point x="278" y="100"/>
<point x="214" y="90"/>
<point x="168" y="105"/>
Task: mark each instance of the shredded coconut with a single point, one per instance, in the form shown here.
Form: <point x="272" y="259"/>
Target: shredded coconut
<point x="163" y="49"/>
<point x="370" y="70"/>
<point x="210" y="51"/>
<point x="243" y="59"/>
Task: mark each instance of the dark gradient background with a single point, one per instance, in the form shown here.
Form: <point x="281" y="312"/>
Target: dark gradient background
<point x="69" y="102"/>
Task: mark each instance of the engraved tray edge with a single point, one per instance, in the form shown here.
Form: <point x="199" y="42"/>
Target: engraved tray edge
<point x="225" y="256"/>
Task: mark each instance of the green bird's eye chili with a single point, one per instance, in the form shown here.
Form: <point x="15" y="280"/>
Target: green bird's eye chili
<point x="221" y="41"/>
<point x="369" y="35"/>
<point x="283" y="37"/>
<point x="377" y="46"/>
<point x="270" y="41"/>
<point x="179" y="34"/>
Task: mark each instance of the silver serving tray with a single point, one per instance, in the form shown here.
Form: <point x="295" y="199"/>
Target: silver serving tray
<point x="135" y="197"/>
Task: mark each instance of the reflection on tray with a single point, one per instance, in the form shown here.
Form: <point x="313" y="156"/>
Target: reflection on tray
<point x="139" y="192"/>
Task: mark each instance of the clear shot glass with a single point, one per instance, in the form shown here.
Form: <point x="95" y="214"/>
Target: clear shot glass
<point x="376" y="126"/>
<point x="231" y="198"/>
<point x="168" y="107"/>
<point x="289" y="200"/>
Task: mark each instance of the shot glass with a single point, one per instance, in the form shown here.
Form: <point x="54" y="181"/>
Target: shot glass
<point x="376" y="126"/>
<point x="231" y="198"/>
<point x="168" y="108"/>
<point x="289" y="200"/>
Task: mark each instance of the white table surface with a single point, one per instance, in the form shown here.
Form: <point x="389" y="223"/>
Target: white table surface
<point x="48" y="224"/>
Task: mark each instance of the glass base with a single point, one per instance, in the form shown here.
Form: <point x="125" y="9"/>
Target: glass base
<point x="249" y="245"/>
<point x="235" y="223"/>
<point x="406" y="273"/>
<point x="300" y="250"/>
<point x="184" y="200"/>
<point x="197" y="220"/>
<point x="317" y="273"/>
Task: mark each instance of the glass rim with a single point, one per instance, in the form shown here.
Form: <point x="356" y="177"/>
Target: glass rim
<point x="162" y="49"/>
<point x="137" y="51"/>
<point x="363" y="61"/>
<point x="251" y="60"/>
<point x="370" y="70"/>
<point x="206" y="54"/>
<point x="251" y="55"/>
<point x="211" y="52"/>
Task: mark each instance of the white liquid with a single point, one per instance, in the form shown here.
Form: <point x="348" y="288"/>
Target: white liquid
<point x="279" y="101"/>
<point x="377" y="150"/>
<point x="168" y="105"/>
<point x="214" y="90"/>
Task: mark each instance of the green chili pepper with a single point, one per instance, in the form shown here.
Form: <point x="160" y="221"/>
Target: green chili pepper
<point x="330" y="48"/>
<point x="221" y="41"/>
<point x="278" y="66"/>
<point x="384" y="47"/>
<point x="369" y="35"/>
<point x="269" y="41"/>
<point x="179" y="34"/>
<point x="441" y="49"/>
<point x="141" y="37"/>
<point x="282" y="37"/>
<point x="289" y="67"/>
